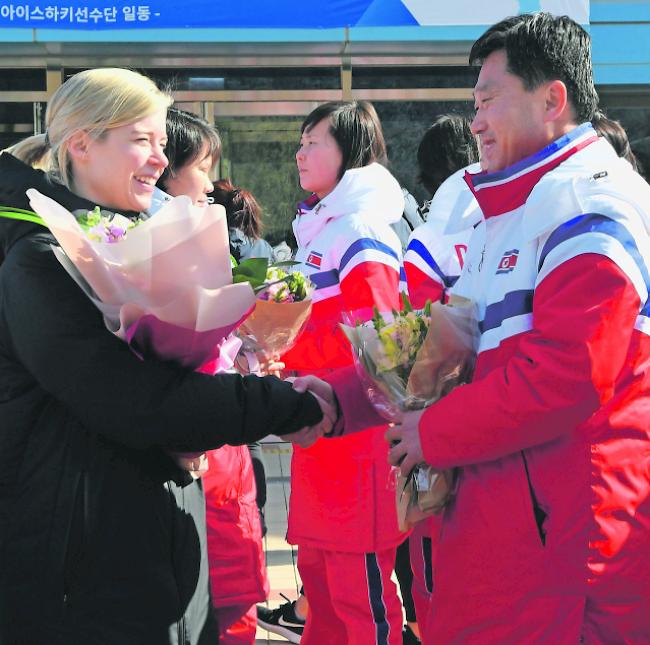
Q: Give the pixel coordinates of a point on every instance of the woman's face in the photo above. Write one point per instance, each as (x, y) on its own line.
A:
(120, 169)
(193, 179)
(319, 159)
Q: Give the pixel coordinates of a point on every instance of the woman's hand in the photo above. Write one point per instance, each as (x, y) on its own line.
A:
(195, 463)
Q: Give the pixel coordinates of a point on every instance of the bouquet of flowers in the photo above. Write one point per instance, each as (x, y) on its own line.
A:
(407, 360)
(164, 285)
(282, 307)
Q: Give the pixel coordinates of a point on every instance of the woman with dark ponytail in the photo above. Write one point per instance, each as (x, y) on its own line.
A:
(244, 221)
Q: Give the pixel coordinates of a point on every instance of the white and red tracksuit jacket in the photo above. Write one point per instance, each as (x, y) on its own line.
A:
(434, 258)
(340, 499)
(548, 538)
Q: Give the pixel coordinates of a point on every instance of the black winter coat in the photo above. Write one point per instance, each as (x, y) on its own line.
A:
(94, 547)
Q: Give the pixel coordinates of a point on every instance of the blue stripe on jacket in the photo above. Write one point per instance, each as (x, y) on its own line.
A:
(596, 223)
(515, 303)
(417, 247)
(324, 279)
(563, 142)
(364, 244)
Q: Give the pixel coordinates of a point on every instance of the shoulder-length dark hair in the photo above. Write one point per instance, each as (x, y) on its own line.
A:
(187, 137)
(356, 129)
(447, 146)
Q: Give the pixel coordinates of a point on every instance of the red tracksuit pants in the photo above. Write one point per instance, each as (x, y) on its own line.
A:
(422, 543)
(237, 624)
(352, 599)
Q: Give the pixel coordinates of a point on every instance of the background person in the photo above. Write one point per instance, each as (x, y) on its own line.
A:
(615, 134)
(432, 264)
(244, 216)
(412, 217)
(342, 512)
(238, 577)
(244, 221)
(193, 149)
(434, 258)
(89, 531)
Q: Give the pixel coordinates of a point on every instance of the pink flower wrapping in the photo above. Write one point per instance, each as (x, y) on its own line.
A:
(166, 288)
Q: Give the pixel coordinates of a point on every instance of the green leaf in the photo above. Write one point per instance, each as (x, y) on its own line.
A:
(284, 263)
(405, 301)
(377, 320)
(252, 270)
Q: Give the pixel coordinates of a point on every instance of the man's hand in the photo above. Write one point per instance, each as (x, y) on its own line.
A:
(407, 451)
(306, 436)
(323, 391)
(315, 386)
(326, 398)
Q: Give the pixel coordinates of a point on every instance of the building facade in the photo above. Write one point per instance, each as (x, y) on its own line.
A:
(257, 70)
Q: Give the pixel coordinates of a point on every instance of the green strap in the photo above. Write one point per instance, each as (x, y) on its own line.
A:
(19, 214)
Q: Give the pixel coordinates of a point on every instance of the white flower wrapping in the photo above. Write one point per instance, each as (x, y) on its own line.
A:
(406, 361)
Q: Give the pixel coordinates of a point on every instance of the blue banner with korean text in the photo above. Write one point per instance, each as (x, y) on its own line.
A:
(268, 14)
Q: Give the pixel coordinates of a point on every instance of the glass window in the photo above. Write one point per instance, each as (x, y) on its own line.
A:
(242, 78)
(414, 77)
(259, 155)
(22, 80)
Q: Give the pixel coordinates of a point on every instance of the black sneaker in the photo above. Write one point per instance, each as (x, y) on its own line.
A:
(408, 637)
(282, 620)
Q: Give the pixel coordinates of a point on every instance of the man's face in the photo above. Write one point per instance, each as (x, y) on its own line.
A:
(509, 120)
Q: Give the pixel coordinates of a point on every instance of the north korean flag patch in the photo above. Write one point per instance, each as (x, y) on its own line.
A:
(508, 261)
(314, 259)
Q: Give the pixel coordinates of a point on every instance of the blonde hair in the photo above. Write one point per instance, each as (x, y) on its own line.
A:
(95, 100)
(33, 151)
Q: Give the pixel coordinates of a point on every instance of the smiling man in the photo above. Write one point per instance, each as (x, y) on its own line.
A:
(547, 540)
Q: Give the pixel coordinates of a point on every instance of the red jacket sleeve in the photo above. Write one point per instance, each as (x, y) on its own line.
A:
(556, 377)
(422, 287)
(358, 413)
(368, 285)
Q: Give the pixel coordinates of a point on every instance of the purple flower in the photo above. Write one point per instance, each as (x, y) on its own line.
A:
(114, 233)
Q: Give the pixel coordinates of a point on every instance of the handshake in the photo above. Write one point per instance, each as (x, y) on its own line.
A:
(196, 463)
(332, 421)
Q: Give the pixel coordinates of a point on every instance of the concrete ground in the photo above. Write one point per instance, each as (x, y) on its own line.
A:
(280, 556)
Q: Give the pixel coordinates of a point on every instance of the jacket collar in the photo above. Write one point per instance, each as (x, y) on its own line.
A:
(368, 192)
(506, 190)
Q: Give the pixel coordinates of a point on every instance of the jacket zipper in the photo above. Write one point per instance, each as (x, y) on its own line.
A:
(539, 513)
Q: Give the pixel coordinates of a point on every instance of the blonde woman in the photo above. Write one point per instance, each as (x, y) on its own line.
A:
(94, 547)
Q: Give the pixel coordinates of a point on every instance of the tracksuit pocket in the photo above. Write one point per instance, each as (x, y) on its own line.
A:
(539, 514)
